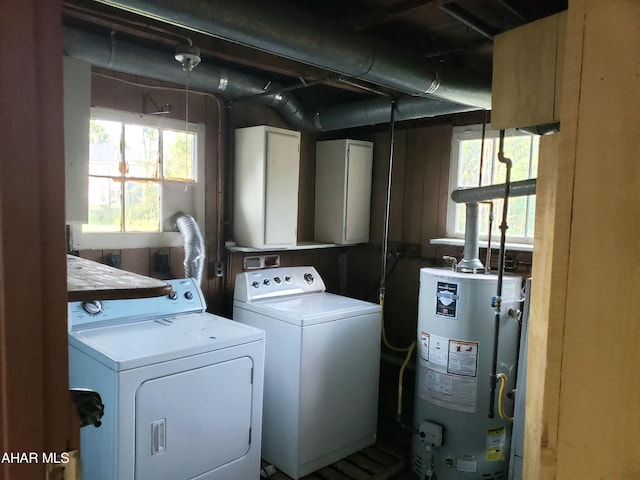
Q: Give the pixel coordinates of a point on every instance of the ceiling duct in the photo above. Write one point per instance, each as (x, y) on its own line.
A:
(126, 57)
(297, 35)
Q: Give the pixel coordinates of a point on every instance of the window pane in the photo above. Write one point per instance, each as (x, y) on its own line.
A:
(142, 206)
(516, 216)
(105, 208)
(518, 149)
(142, 147)
(104, 152)
(469, 163)
(178, 155)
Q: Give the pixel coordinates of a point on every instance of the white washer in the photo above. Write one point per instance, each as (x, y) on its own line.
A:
(321, 368)
(182, 388)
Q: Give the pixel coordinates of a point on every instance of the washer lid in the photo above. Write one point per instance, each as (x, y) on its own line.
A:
(132, 345)
(311, 309)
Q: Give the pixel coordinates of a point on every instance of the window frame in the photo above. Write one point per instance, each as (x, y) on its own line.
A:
(191, 202)
(474, 132)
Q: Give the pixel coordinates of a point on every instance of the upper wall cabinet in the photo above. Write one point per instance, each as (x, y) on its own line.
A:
(527, 74)
(77, 106)
(343, 191)
(265, 207)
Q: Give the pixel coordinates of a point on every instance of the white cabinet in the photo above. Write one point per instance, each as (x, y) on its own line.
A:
(343, 191)
(265, 208)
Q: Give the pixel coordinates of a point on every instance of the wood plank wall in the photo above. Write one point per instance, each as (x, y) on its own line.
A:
(587, 378)
(36, 411)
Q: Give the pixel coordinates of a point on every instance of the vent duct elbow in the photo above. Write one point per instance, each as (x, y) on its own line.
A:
(194, 247)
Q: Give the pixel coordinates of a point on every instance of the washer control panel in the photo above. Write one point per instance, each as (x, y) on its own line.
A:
(277, 282)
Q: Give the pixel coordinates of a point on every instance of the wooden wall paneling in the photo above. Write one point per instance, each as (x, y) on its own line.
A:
(93, 255)
(560, 52)
(443, 184)
(306, 187)
(33, 304)
(600, 356)
(196, 103)
(413, 203)
(153, 255)
(436, 157)
(136, 260)
(399, 177)
(379, 186)
(545, 321)
(524, 75)
(127, 97)
(176, 262)
(102, 89)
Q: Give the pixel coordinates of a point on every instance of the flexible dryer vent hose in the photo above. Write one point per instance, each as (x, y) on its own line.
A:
(194, 247)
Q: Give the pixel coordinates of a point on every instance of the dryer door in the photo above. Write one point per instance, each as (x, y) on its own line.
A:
(193, 422)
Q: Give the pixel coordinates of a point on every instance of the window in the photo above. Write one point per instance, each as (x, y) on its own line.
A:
(522, 149)
(142, 170)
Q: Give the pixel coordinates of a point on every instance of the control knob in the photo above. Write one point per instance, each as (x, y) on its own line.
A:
(92, 307)
(255, 284)
(188, 295)
(267, 282)
(277, 280)
(308, 277)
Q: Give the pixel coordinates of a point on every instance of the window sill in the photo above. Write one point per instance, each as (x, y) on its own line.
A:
(459, 242)
(90, 241)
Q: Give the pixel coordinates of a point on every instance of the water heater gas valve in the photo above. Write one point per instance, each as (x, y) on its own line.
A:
(430, 433)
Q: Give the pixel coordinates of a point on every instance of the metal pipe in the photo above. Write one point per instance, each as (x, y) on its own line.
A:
(292, 33)
(471, 261)
(498, 299)
(487, 263)
(491, 192)
(122, 56)
(385, 229)
(471, 21)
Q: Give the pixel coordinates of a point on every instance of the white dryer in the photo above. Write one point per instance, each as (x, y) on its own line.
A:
(182, 388)
(321, 368)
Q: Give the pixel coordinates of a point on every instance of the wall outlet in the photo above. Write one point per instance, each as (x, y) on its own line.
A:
(219, 269)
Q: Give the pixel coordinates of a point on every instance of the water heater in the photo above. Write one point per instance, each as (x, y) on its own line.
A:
(455, 438)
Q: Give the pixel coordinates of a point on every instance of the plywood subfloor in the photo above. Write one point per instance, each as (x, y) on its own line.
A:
(372, 463)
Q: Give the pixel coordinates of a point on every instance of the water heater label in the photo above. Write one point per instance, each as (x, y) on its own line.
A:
(496, 439)
(434, 349)
(463, 358)
(447, 299)
(455, 392)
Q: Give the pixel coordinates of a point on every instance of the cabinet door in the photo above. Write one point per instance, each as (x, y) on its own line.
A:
(360, 162)
(281, 195)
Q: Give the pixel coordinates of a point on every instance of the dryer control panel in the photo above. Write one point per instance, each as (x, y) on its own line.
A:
(185, 297)
(277, 282)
